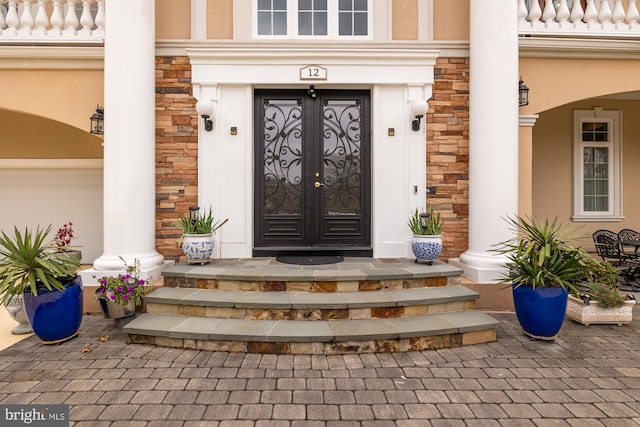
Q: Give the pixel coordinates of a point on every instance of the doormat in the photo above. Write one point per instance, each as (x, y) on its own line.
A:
(310, 260)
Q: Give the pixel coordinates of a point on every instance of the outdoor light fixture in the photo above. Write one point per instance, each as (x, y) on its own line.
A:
(193, 213)
(204, 107)
(97, 121)
(523, 93)
(424, 219)
(419, 108)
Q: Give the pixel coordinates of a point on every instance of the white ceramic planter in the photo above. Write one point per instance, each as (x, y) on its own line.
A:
(198, 248)
(426, 249)
(594, 314)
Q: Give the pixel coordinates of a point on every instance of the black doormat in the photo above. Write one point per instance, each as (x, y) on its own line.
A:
(310, 260)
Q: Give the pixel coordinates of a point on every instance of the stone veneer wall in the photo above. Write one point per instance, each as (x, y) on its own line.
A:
(448, 152)
(177, 151)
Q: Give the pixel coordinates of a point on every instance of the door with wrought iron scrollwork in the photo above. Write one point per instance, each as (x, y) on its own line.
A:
(312, 172)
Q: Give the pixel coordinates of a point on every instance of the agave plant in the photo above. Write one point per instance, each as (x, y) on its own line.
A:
(29, 261)
(540, 254)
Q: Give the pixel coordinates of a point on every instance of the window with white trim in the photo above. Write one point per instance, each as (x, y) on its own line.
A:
(597, 148)
(328, 19)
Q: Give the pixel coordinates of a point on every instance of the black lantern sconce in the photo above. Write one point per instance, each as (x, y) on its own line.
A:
(97, 121)
(204, 107)
(523, 93)
(193, 213)
(419, 108)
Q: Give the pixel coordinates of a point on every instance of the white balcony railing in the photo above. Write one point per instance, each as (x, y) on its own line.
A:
(51, 21)
(590, 18)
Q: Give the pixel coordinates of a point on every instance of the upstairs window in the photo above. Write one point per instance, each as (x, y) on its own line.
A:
(328, 19)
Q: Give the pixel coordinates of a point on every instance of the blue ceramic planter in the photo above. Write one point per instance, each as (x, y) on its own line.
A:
(541, 310)
(55, 316)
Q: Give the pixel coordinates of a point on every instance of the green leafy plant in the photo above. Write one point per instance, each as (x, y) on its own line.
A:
(30, 261)
(425, 224)
(125, 288)
(540, 254)
(599, 282)
(202, 224)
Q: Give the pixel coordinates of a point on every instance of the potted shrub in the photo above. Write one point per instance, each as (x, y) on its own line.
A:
(63, 238)
(197, 239)
(426, 243)
(120, 296)
(599, 301)
(31, 266)
(542, 268)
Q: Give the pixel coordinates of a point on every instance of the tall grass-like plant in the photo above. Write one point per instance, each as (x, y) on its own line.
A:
(540, 254)
(203, 224)
(29, 261)
(432, 223)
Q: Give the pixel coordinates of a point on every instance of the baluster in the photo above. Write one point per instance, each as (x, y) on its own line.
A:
(535, 12)
(86, 20)
(26, 19)
(3, 24)
(549, 13)
(604, 15)
(57, 22)
(617, 16)
(12, 20)
(99, 19)
(562, 15)
(577, 14)
(632, 14)
(42, 20)
(591, 14)
(71, 23)
(522, 12)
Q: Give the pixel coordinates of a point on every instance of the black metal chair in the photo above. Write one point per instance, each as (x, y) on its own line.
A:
(629, 235)
(609, 249)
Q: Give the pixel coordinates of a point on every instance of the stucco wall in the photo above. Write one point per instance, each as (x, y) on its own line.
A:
(451, 19)
(553, 164)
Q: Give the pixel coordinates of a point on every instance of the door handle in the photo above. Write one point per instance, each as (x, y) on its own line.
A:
(318, 184)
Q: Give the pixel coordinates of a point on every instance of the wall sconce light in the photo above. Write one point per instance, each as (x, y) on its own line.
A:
(419, 108)
(97, 121)
(204, 107)
(523, 93)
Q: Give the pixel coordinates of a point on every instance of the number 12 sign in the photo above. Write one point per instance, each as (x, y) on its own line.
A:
(313, 72)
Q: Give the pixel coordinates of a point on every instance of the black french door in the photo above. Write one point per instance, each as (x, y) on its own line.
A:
(312, 172)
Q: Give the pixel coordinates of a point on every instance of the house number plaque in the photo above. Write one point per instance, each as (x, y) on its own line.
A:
(313, 72)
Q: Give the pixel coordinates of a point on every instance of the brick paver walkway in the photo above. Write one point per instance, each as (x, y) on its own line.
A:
(590, 376)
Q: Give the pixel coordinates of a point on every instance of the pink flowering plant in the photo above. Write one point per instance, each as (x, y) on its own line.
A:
(64, 236)
(125, 288)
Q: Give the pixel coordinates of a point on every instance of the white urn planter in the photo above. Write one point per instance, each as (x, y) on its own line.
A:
(426, 248)
(15, 308)
(592, 313)
(198, 248)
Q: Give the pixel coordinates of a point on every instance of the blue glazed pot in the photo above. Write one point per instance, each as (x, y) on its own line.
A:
(426, 248)
(55, 316)
(541, 310)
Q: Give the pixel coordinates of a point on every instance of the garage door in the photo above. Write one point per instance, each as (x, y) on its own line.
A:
(38, 194)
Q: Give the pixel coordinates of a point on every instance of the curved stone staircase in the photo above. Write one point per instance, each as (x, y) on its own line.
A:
(361, 305)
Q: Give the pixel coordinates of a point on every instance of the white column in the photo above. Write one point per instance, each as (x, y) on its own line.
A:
(493, 135)
(129, 137)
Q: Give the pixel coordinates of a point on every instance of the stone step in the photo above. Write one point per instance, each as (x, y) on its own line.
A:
(309, 306)
(318, 337)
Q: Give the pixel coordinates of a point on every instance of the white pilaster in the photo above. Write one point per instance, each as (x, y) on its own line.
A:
(493, 135)
(129, 139)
